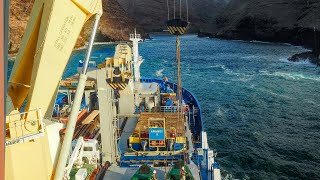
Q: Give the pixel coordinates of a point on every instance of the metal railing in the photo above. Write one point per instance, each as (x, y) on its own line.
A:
(64, 111)
(19, 130)
(137, 36)
(57, 110)
(167, 109)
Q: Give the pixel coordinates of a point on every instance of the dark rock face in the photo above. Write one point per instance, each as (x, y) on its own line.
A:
(115, 24)
(263, 29)
(153, 14)
(305, 56)
(291, 21)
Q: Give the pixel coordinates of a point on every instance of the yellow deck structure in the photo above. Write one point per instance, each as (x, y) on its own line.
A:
(52, 31)
(172, 120)
(72, 82)
(119, 68)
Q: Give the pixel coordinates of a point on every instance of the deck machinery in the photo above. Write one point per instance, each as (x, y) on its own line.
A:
(159, 132)
(142, 121)
(158, 137)
(152, 126)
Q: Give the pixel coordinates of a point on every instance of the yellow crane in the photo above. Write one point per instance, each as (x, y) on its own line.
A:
(51, 33)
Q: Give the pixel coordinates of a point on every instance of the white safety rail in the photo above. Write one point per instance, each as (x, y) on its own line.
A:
(138, 36)
(137, 60)
(16, 131)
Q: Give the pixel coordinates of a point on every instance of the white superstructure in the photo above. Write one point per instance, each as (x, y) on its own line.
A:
(137, 60)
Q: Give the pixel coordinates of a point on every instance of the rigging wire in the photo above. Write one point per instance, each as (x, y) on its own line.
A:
(180, 9)
(174, 9)
(187, 7)
(168, 10)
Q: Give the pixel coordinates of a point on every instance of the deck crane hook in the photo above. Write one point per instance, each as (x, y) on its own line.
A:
(177, 27)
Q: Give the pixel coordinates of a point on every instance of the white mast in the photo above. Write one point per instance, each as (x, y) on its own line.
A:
(137, 60)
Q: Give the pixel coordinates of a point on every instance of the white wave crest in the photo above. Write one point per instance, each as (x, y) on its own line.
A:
(241, 76)
(290, 76)
(159, 72)
(219, 66)
(268, 91)
(305, 62)
(219, 112)
(217, 81)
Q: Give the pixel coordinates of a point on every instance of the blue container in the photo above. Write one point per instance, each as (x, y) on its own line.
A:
(156, 134)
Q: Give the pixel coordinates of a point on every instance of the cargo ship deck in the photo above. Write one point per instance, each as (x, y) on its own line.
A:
(141, 121)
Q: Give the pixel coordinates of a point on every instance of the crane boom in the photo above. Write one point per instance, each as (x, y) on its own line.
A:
(51, 33)
(50, 36)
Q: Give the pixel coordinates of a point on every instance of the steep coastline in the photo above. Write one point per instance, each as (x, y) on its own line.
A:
(115, 24)
(285, 21)
(153, 14)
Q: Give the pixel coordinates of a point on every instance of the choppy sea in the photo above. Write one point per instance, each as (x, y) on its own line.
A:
(261, 112)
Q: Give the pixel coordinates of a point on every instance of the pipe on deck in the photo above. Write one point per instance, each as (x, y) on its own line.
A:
(65, 149)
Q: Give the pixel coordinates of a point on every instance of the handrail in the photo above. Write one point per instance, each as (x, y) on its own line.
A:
(168, 109)
(133, 36)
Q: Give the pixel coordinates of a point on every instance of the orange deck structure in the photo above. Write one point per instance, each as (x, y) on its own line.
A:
(72, 82)
(87, 125)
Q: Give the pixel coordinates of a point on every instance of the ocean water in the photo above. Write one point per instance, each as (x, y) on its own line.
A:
(261, 112)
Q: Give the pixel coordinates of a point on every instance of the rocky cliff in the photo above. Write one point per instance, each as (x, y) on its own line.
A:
(153, 14)
(115, 24)
(291, 21)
